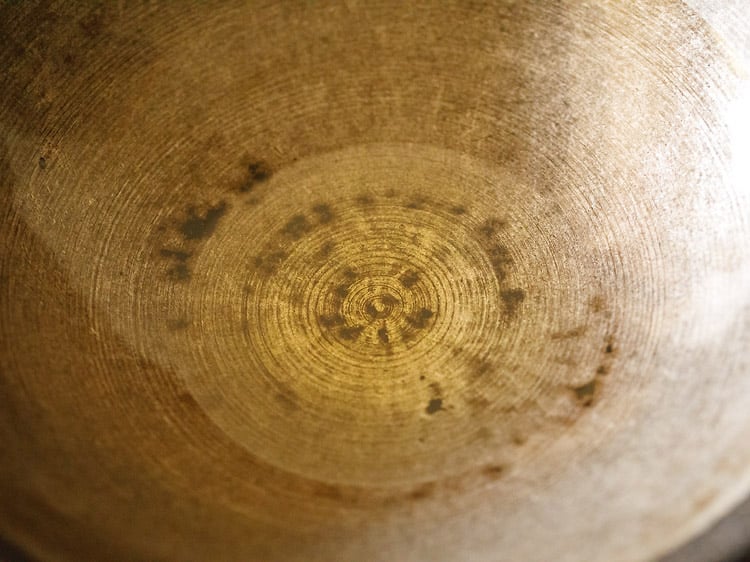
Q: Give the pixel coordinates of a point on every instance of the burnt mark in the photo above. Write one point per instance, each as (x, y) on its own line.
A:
(458, 210)
(569, 334)
(324, 213)
(512, 299)
(42, 162)
(421, 318)
(602, 370)
(481, 367)
(494, 471)
(383, 336)
(199, 226)
(585, 393)
(257, 172)
(297, 227)
(350, 333)
(500, 259)
(409, 278)
(492, 226)
(434, 406)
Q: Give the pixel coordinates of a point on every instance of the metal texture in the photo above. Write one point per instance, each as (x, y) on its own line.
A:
(373, 280)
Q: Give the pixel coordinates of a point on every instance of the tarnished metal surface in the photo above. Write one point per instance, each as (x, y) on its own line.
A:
(373, 281)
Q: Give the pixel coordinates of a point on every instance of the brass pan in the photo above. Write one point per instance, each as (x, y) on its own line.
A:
(373, 280)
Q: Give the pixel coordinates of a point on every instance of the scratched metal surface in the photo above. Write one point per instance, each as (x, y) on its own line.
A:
(452, 280)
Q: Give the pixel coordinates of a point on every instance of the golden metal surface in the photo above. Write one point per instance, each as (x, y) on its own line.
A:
(373, 281)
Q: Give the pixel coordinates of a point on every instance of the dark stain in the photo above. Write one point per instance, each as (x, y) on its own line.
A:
(478, 403)
(500, 260)
(178, 324)
(42, 162)
(269, 263)
(349, 273)
(350, 333)
(197, 227)
(326, 249)
(585, 392)
(257, 172)
(416, 204)
(422, 377)
(422, 491)
(602, 370)
(492, 226)
(573, 333)
(518, 439)
(458, 210)
(341, 291)
(331, 320)
(409, 278)
(494, 471)
(364, 200)
(512, 298)
(323, 212)
(435, 405)
(179, 272)
(178, 255)
(287, 400)
(597, 303)
(187, 400)
(327, 491)
(383, 336)
(482, 367)
(435, 389)
(610, 347)
(93, 23)
(421, 318)
(297, 227)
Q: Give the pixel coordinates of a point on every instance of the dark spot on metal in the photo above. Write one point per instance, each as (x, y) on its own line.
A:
(349, 273)
(572, 333)
(585, 392)
(383, 335)
(609, 348)
(331, 320)
(179, 272)
(287, 400)
(364, 200)
(42, 162)
(297, 227)
(500, 260)
(490, 227)
(436, 390)
(324, 213)
(178, 255)
(458, 210)
(267, 264)
(178, 324)
(494, 471)
(435, 405)
(409, 278)
(341, 291)
(416, 204)
(197, 226)
(597, 303)
(422, 491)
(257, 173)
(327, 248)
(512, 299)
(602, 370)
(350, 333)
(421, 377)
(187, 400)
(421, 318)
(518, 439)
(328, 491)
